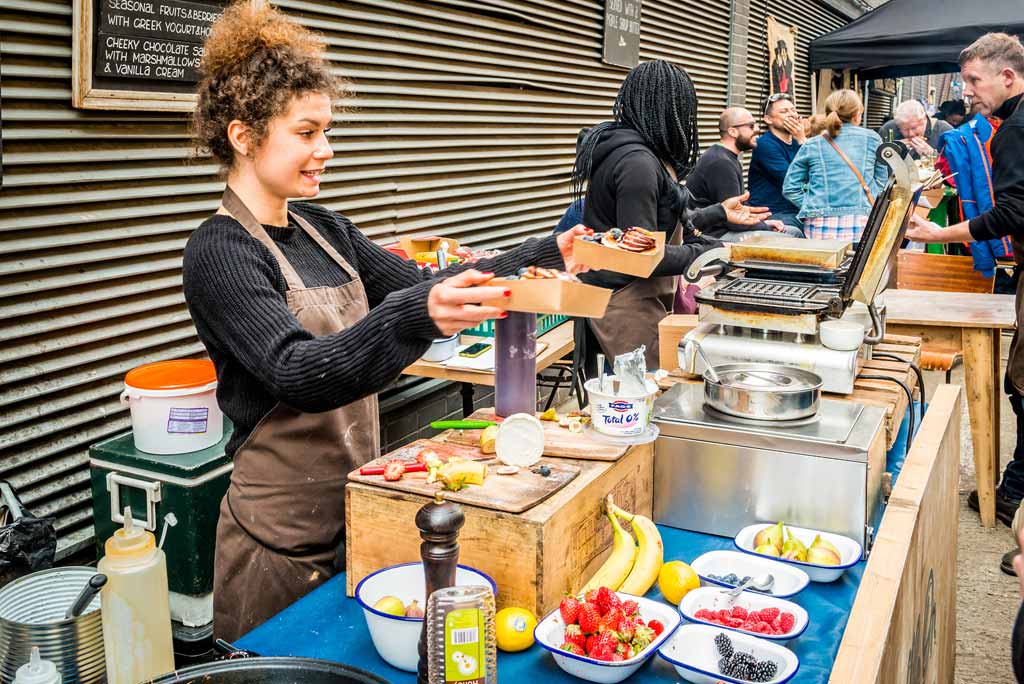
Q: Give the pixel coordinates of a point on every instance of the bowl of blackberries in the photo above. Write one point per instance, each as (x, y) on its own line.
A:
(703, 654)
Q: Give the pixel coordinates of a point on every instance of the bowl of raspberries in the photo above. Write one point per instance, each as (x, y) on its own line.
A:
(605, 636)
(704, 654)
(768, 617)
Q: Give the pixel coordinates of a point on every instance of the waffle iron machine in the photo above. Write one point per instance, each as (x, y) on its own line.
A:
(773, 292)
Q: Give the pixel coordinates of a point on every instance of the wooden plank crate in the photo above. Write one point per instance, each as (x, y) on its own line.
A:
(881, 393)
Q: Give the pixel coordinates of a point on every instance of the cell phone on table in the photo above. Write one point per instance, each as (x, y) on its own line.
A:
(474, 350)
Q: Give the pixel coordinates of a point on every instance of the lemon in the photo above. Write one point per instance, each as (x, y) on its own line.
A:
(514, 628)
(392, 605)
(676, 580)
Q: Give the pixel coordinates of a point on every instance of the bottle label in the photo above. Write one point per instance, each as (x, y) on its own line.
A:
(464, 647)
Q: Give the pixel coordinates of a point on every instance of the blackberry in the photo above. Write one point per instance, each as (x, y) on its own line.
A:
(737, 669)
(744, 658)
(763, 671)
(724, 645)
(723, 664)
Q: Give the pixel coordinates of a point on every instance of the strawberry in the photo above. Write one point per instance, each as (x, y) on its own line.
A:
(616, 657)
(787, 622)
(656, 626)
(739, 612)
(590, 596)
(644, 637)
(570, 609)
(639, 621)
(628, 651)
(574, 635)
(607, 638)
(627, 629)
(769, 614)
(613, 618)
(607, 599)
(572, 648)
(630, 608)
(591, 644)
(602, 653)
(393, 470)
(589, 617)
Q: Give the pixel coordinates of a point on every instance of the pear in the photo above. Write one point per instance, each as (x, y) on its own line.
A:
(767, 550)
(795, 554)
(770, 535)
(822, 544)
(822, 556)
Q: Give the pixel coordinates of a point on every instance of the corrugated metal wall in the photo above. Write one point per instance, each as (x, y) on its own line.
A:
(812, 19)
(879, 109)
(465, 121)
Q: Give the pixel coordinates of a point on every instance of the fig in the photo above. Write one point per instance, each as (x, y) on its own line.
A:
(414, 610)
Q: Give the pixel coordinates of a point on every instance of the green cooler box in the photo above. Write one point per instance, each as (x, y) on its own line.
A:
(190, 486)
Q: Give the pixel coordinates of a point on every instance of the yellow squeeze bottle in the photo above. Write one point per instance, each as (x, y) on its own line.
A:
(136, 606)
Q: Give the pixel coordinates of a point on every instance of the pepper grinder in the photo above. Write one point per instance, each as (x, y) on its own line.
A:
(439, 523)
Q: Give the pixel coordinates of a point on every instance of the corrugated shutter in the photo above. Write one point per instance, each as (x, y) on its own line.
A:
(879, 109)
(812, 19)
(464, 122)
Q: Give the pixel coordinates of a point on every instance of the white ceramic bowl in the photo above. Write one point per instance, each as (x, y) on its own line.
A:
(549, 633)
(397, 638)
(841, 335)
(693, 652)
(789, 580)
(850, 551)
(714, 598)
(442, 349)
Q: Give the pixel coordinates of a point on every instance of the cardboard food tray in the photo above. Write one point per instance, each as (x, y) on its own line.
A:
(414, 244)
(601, 257)
(552, 296)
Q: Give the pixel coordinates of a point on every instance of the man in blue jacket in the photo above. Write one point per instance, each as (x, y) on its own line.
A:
(772, 156)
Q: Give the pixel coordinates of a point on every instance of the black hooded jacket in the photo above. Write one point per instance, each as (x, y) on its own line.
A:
(629, 187)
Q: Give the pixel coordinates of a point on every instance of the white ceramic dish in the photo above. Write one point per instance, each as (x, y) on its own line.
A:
(442, 349)
(549, 633)
(714, 598)
(841, 335)
(850, 551)
(789, 580)
(397, 638)
(693, 652)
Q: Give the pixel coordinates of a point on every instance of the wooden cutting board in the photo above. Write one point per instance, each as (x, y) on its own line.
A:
(558, 441)
(508, 493)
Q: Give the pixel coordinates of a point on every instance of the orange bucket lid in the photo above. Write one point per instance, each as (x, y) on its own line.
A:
(170, 375)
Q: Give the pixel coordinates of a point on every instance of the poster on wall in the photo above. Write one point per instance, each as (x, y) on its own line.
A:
(622, 33)
(139, 54)
(781, 51)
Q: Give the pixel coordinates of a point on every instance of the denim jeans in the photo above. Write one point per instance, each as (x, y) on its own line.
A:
(739, 235)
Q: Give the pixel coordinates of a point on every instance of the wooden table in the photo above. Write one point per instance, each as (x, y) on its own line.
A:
(973, 323)
(559, 342)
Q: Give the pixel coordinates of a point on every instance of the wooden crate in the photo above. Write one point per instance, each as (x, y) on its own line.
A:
(902, 627)
(535, 556)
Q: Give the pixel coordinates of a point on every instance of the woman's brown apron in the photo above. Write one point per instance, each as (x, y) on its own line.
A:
(281, 531)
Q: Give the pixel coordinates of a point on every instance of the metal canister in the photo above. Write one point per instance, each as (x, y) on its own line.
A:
(32, 612)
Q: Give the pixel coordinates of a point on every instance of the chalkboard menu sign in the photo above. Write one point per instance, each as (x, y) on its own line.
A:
(140, 54)
(622, 32)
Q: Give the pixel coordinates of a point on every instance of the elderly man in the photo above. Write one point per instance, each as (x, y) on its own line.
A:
(993, 74)
(913, 126)
(718, 176)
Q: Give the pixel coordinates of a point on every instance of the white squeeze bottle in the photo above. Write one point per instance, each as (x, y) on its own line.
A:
(136, 607)
(37, 671)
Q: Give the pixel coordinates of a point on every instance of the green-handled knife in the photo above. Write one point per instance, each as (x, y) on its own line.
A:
(461, 424)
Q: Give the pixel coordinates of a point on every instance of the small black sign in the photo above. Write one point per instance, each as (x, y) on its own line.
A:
(142, 43)
(622, 32)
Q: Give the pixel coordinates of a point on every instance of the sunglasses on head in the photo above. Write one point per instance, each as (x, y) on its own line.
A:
(773, 99)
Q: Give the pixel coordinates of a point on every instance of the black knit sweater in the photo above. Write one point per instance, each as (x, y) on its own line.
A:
(236, 295)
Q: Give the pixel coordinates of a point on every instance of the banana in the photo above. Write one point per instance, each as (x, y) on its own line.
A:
(614, 570)
(649, 556)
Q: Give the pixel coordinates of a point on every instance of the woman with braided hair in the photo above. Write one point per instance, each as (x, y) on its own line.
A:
(304, 317)
(631, 168)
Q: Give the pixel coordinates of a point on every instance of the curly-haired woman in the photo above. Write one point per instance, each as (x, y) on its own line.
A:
(303, 316)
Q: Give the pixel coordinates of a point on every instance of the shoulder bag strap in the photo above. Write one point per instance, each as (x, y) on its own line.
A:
(871, 200)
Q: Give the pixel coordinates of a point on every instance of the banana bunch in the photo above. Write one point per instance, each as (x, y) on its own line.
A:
(634, 565)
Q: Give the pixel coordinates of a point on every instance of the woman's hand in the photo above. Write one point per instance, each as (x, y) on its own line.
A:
(454, 303)
(737, 212)
(565, 241)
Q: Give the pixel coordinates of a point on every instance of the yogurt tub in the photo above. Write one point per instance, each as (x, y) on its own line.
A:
(620, 415)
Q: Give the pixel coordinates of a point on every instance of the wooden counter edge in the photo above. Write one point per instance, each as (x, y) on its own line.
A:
(902, 627)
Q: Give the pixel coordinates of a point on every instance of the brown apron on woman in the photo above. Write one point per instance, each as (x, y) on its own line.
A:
(281, 531)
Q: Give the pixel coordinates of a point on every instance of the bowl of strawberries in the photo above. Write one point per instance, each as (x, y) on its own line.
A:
(605, 636)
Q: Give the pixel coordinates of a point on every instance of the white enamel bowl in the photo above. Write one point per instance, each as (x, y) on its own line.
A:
(789, 580)
(850, 551)
(397, 638)
(714, 599)
(693, 652)
(550, 631)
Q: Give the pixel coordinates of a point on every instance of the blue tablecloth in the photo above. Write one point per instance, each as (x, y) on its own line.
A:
(327, 624)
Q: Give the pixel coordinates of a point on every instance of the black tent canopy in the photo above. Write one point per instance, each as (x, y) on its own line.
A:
(914, 37)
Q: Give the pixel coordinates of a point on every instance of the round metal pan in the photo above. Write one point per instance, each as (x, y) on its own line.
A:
(763, 391)
(282, 670)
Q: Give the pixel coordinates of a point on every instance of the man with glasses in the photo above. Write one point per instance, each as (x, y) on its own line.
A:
(772, 156)
(718, 176)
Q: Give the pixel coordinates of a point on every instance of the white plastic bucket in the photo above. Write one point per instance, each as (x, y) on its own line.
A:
(176, 420)
(618, 415)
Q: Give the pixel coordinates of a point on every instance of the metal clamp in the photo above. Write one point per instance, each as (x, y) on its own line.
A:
(114, 483)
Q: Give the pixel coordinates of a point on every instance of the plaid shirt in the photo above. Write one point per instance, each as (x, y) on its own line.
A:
(835, 227)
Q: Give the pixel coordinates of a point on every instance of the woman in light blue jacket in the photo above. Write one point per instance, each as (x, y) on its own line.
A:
(835, 177)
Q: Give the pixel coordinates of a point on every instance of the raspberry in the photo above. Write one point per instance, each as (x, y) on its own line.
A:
(764, 628)
(749, 626)
(704, 614)
(724, 614)
(739, 612)
(769, 614)
(735, 622)
(787, 622)
(754, 615)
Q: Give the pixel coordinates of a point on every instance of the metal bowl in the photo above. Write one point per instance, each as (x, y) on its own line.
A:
(763, 391)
